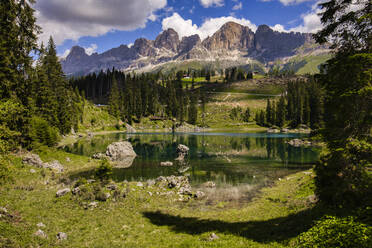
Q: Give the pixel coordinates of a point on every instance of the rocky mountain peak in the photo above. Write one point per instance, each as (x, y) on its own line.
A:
(77, 52)
(187, 43)
(231, 36)
(144, 47)
(168, 39)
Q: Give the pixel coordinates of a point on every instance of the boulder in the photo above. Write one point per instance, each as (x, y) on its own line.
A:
(167, 163)
(61, 236)
(119, 150)
(99, 156)
(34, 160)
(93, 205)
(62, 192)
(273, 130)
(182, 151)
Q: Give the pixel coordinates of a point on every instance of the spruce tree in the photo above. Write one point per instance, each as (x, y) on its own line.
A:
(114, 99)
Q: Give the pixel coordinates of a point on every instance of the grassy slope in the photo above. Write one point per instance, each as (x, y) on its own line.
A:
(223, 97)
(96, 118)
(275, 217)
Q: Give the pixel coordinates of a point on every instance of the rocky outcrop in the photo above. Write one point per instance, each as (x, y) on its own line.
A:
(188, 43)
(169, 39)
(231, 36)
(34, 160)
(270, 44)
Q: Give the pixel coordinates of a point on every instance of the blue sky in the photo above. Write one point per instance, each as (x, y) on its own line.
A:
(99, 25)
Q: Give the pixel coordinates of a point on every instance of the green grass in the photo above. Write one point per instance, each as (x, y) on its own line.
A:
(312, 64)
(274, 218)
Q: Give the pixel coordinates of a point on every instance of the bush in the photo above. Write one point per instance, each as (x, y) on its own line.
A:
(336, 232)
(42, 133)
(5, 172)
(104, 171)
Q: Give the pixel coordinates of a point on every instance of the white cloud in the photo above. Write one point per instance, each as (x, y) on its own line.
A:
(209, 27)
(311, 22)
(71, 19)
(130, 45)
(288, 2)
(92, 49)
(212, 3)
(279, 28)
(238, 6)
(65, 54)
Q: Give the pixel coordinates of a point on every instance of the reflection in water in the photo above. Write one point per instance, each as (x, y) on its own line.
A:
(225, 158)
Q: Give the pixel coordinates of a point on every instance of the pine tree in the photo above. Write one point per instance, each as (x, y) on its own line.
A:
(268, 113)
(114, 99)
(280, 119)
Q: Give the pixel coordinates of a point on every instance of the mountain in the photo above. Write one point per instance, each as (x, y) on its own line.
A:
(232, 44)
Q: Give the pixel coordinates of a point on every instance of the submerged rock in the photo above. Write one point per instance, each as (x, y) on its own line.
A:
(209, 184)
(199, 194)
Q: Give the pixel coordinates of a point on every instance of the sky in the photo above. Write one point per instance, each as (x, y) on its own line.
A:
(99, 25)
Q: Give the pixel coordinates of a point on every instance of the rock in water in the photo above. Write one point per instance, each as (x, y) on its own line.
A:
(209, 184)
(118, 150)
(130, 129)
(182, 151)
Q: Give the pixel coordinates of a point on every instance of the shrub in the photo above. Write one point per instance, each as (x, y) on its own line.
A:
(42, 133)
(5, 172)
(336, 232)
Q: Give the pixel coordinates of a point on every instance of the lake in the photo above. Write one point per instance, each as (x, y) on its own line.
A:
(228, 159)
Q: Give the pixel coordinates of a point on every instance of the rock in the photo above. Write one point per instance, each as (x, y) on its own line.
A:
(99, 156)
(93, 205)
(209, 184)
(62, 192)
(150, 183)
(284, 130)
(150, 194)
(34, 160)
(312, 199)
(199, 194)
(61, 236)
(40, 225)
(112, 186)
(130, 129)
(55, 165)
(139, 184)
(40, 234)
(68, 159)
(212, 237)
(298, 143)
(32, 171)
(167, 163)
(273, 130)
(3, 210)
(186, 190)
(91, 181)
(76, 191)
(119, 150)
(182, 149)
(90, 135)
(183, 169)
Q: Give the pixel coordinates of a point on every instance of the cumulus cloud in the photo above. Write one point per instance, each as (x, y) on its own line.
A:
(212, 3)
(65, 54)
(92, 49)
(288, 2)
(71, 19)
(238, 6)
(209, 27)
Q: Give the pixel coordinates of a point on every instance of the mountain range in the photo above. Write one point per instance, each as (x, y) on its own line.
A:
(232, 44)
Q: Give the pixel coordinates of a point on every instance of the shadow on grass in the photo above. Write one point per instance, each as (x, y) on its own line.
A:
(278, 229)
